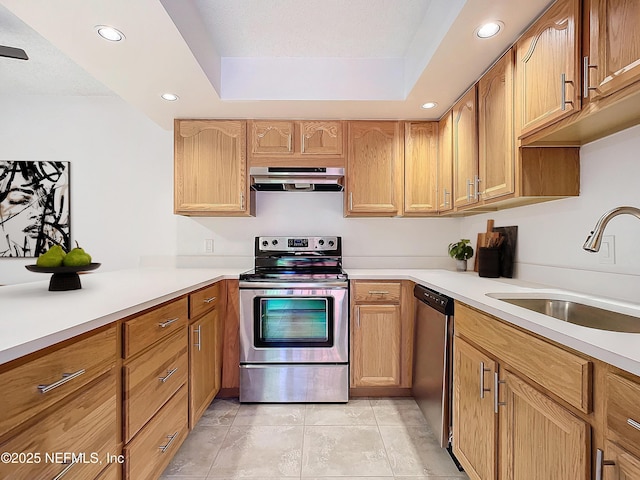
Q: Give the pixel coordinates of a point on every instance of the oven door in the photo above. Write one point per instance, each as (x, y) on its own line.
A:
(297, 324)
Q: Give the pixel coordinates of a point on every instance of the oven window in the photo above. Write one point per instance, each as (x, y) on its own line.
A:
(293, 321)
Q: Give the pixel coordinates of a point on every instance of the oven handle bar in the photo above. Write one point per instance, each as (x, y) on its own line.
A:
(291, 285)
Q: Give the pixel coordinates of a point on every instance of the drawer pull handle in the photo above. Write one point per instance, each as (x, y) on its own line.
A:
(633, 423)
(482, 389)
(209, 300)
(166, 323)
(164, 448)
(66, 377)
(169, 373)
(378, 292)
(601, 463)
(64, 472)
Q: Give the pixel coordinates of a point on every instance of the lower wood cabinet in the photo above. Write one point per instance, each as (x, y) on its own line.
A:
(73, 439)
(505, 425)
(475, 425)
(382, 322)
(154, 388)
(619, 464)
(205, 353)
(149, 453)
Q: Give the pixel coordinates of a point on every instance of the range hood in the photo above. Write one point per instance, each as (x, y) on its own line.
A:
(297, 179)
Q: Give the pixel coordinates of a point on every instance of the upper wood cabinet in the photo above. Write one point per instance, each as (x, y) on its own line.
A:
(465, 150)
(321, 137)
(374, 169)
(271, 137)
(445, 164)
(613, 60)
(420, 168)
(496, 153)
(296, 143)
(210, 175)
(548, 68)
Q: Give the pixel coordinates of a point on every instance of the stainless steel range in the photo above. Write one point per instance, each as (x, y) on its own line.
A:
(294, 335)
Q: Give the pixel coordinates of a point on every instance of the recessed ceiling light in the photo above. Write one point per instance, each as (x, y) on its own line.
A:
(170, 97)
(429, 105)
(109, 33)
(489, 29)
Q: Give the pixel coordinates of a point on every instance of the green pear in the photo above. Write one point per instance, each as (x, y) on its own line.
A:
(52, 257)
(76, 258)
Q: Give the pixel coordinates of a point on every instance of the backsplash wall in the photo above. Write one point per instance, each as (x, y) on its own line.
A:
(551, 234)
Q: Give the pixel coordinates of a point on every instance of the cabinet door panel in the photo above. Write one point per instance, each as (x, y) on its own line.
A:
(321, 138)
(374, 178)
(210, 167)
(495, 129)
(542, 439)
(546, 52)
(615, 44)
(270, 138)
(474, 418)
(420, 167)
(445, 163)
(204, 366)
(465, 149)
(376, 335)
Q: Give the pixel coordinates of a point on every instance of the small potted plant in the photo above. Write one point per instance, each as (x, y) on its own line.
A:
(461, 251)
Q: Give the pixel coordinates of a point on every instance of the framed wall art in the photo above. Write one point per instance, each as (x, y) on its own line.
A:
(34, 207)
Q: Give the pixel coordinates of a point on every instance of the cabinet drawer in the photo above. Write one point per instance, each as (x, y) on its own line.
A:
(85, 425)
(146, 329)
(152, 378)
(623, 410)
(204, 300)
(150, 452)
(62, 371)
(384, 292)
(561, 372)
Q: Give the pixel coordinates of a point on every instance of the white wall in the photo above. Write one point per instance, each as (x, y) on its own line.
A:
(121, 174)
(551, 234)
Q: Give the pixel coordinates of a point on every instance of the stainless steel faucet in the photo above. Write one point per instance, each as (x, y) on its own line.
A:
(594, 240)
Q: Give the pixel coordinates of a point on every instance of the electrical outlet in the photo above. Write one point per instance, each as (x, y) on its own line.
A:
(607, 254)
(208, 245)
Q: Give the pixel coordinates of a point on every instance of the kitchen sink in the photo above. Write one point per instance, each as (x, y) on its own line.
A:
(572, 309)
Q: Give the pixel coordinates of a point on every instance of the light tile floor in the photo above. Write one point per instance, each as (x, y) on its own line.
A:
(365, 439)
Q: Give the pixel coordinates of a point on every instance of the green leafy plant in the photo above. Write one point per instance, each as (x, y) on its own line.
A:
(461, 250)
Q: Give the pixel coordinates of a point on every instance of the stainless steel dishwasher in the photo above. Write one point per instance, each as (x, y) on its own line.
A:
(432, 373)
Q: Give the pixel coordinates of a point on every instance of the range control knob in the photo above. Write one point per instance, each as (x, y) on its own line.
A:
(265, 243)
(331, 243)
(274, 242)
(321, 242)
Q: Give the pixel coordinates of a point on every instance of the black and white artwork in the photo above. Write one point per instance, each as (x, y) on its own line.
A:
(34, 207)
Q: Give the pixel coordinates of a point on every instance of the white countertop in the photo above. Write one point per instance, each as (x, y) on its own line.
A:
(32, 318)
(616, 348)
